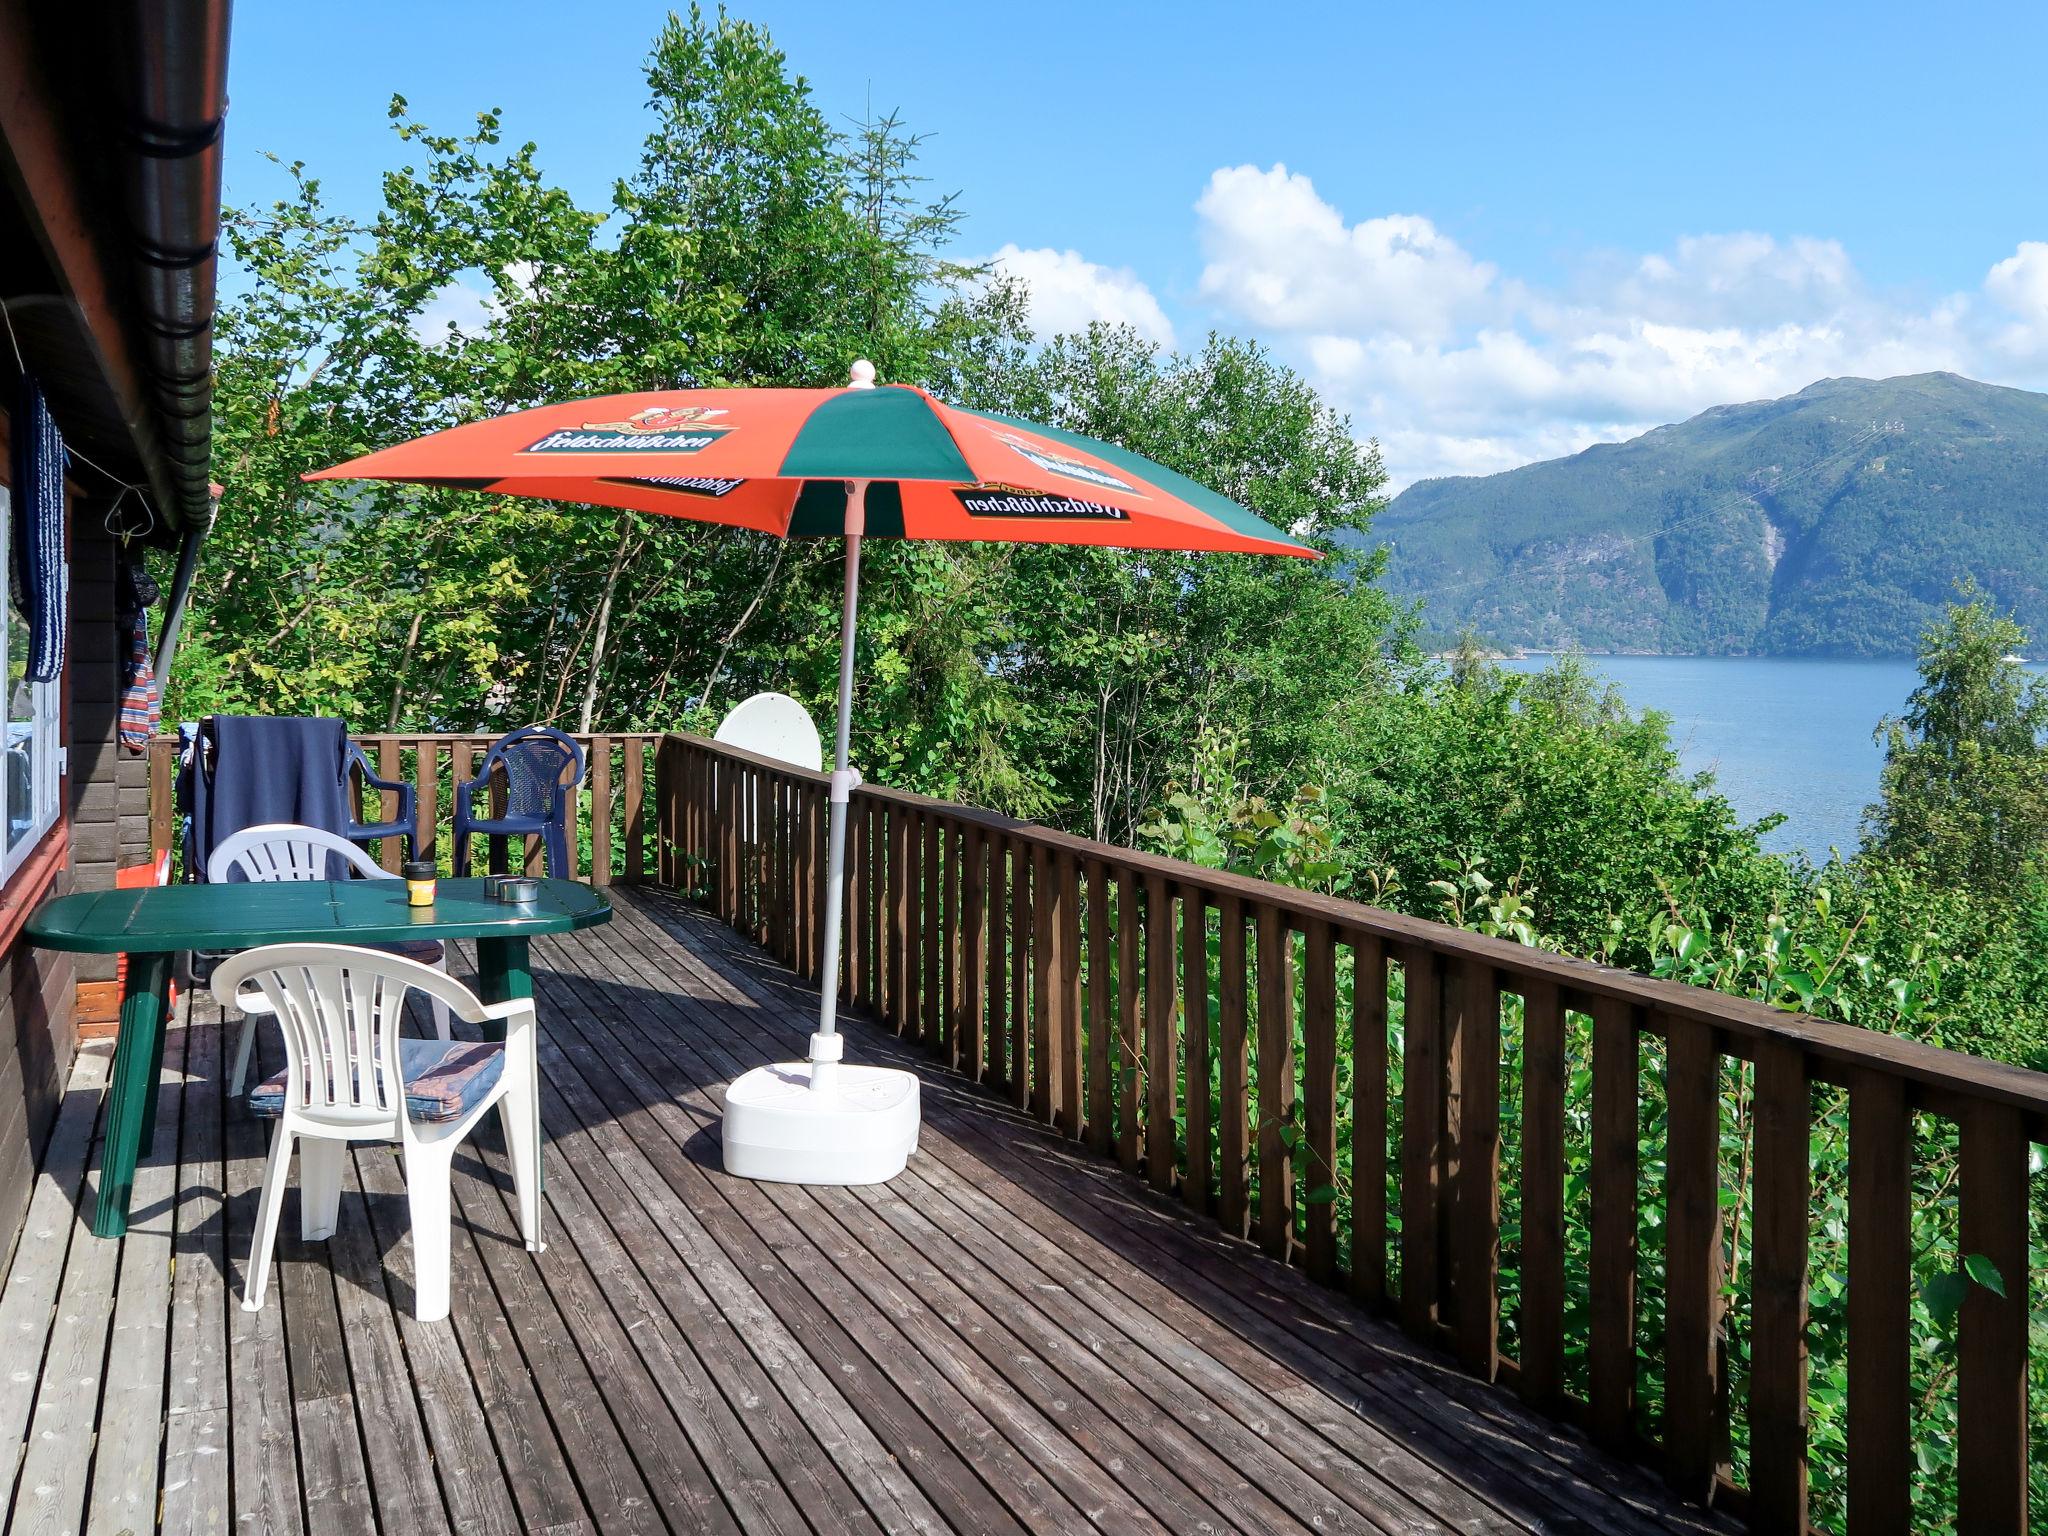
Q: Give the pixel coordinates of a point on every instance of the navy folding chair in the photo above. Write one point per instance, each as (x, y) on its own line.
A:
(543, 769)
(406, 824)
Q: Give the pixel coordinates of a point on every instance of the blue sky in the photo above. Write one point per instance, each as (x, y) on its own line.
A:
(1490, 234)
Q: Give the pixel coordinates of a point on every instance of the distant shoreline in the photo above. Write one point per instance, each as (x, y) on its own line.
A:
(1530, 653)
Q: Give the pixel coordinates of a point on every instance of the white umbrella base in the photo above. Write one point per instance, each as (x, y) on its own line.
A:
(859, 1131)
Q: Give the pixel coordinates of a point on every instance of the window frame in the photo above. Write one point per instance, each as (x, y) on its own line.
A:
(46, 719)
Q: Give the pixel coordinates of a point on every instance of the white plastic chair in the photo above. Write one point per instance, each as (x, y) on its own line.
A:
(346, 1080)
(285, 850)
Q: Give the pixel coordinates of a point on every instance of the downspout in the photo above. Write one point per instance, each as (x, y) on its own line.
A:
(181, 590)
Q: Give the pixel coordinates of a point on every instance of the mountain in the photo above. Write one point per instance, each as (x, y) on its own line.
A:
(1832, 522)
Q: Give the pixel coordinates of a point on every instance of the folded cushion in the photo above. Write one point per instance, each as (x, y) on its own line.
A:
(444, 1079)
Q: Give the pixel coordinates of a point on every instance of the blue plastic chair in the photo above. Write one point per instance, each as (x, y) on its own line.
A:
(543, 769)
(407, 822)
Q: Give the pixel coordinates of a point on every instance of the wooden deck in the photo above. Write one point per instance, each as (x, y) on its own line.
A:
(1012, 1335)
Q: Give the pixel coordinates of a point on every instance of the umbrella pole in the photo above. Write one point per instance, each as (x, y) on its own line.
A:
(825, 1044)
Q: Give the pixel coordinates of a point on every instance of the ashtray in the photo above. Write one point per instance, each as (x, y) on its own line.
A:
(513, 890)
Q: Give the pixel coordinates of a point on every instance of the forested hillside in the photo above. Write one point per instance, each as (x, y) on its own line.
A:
(1834, 521)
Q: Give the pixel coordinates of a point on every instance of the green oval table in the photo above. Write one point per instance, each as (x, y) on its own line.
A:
(150, 926)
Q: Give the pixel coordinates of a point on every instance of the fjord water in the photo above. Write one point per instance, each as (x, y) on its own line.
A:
(1790, 735)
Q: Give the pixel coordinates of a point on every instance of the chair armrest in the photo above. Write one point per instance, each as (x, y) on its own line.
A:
(407, 795)
(508, 1010)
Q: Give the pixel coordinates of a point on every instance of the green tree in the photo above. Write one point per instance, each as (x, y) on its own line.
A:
(753, 244)
(1121, 662)
(1964, 793)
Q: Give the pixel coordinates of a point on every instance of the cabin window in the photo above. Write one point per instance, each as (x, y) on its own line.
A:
(33, 761)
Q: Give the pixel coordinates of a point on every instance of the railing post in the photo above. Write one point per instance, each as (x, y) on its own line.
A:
(1612, 1346)
(1045, 1063)
(931, 934)
(1991, 1334)
(1422, 1106)
(1276, 1081)
(1232, 1148)
(996, 1030)
(1162, 1033)
(911, 1021)
(462, 769)
(1319, 1107)
(853, 945)
(973, 1022)
(1194, 963)
(1129, 1031)
(1880, 1306)
(1022, 929)
(1541, 1378)
(163, 778)
(390, 850)
(1692, 1258)
(1476, 1191)
(951, 1034)
(635, 820)
(1369, 1119)
(1777, 1389)
(730, 841)
(427, 788)
(601, 810)
(671, 813)
(1101, 1012)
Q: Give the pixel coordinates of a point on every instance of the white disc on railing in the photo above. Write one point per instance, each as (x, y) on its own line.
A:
(774, 725)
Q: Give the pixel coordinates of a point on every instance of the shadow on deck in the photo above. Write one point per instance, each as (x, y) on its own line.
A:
(1012, 1335)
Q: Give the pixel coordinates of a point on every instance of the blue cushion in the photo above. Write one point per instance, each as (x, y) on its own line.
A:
(444, 1079)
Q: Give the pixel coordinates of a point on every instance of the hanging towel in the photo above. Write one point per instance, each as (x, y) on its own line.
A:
(141, 697)
(141, 702)
(267, 769)
(39, 530)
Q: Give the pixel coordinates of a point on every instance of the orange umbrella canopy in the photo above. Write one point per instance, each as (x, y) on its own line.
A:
(779, 461)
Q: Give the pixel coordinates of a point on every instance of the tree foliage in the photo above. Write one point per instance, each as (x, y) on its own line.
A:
(1965, 785)
(754, 243)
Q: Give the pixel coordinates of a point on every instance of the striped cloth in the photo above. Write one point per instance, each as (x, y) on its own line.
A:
(141, 697)
(39, 530)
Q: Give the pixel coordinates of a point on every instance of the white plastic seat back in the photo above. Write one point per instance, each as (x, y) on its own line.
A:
(339, 1009)
(285, 850)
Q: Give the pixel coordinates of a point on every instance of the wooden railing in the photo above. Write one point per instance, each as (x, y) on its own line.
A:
(1059, 971)
(609, 830)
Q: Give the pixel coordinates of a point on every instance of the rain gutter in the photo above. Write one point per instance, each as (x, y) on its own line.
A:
(178, 60)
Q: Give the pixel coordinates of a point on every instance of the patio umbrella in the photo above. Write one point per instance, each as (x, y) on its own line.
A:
(860, 462)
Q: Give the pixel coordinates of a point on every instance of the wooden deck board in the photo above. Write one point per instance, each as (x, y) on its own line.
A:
(195, 1468)
(1014, 1336)
(129, 1433)
(782, 1214)
(699, 1054)
(57, 1214)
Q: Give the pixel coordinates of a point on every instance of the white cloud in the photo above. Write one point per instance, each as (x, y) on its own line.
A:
(1285, 259)
(2019, 286)
(1460, 369)
(1067, 293)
